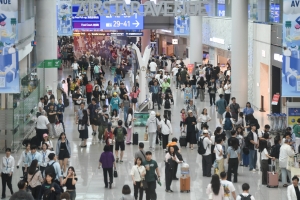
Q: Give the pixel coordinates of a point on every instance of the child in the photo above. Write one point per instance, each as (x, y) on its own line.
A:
(183, 117)
(188, 93)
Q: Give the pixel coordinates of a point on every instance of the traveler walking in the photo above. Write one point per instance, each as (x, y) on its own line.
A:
(120, 133)
(138, 173)
(151, 127)
(8, 165)
(215, 190)
(70, 181)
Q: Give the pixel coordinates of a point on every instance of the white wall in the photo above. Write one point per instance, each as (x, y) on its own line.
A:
(261, 54)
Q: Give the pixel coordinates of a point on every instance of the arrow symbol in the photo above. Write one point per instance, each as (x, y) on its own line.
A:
(137, 23)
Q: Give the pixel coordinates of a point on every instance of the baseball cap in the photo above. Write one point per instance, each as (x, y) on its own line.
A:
(45, 135)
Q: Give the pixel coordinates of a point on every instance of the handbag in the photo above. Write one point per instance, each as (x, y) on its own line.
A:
(58, 128)
(115, 174)
(146, 136)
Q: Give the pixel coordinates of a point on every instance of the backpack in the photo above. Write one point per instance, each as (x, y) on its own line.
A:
(50, 169)
(275, 151)
(120, 135)
(167, 104)
(201, 149)
(245, 198)
(228, 124)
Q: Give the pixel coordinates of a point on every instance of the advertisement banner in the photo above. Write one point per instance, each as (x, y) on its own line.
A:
(293, 116)
(9, 60)
(291, 52)
(182, 25)
(275, 99)
(64, 17)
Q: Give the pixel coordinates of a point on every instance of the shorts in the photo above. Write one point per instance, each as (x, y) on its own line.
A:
(219, 116)
(134, 100)
(76, 107)
(120, 145)
(93, 121)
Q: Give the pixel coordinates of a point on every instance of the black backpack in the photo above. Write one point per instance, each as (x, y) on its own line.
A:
(50, 169)
(201, 149)
(167, 104)
(245, 198)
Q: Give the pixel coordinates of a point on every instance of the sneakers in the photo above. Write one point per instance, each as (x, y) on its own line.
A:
(52, 137)
(253, 170)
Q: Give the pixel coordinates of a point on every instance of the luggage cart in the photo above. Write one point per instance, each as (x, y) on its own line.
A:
(185, 180)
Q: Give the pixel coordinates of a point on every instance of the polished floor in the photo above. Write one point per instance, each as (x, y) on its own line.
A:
(90, 185)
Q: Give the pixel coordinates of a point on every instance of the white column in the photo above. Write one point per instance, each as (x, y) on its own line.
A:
(239, 49)
(46, 37)
(196, 49)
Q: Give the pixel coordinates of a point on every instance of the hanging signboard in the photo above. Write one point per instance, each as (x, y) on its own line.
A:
(291, 53)
(275, 99)
(64, 17)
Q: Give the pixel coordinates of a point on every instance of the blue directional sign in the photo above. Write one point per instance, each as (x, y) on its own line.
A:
(122, 22)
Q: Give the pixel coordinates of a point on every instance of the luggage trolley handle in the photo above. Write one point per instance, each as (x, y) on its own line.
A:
(273, 166)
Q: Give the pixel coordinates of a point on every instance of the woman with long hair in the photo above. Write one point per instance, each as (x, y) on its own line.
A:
(170, 162)
(109, 88)
(63, 151)
(129, 120)
(265, 156)
(107, 161)
(244, 158)
(114, 118)
(126, 106)
(248, 110)
(83, 129)
(45, 153)
(233, 155)
(166, 130)
(70, 181)
(96, 93)
(215, 190)
(138, 173)
(47, 141)
(134, 95)
(109, 137)
(34, 179)
(190, 122)
(204, 118)
(46, 101)
(240, 121)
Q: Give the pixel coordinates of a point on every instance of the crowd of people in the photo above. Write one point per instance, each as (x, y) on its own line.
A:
(107, 108)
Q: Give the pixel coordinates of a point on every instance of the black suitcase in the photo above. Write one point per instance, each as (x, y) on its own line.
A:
(135, 139)
(182, 141)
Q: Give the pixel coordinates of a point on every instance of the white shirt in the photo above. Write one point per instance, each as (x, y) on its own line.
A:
(75, 66)
(218, 149)
(49, 143)
(41, 105)
(206, 143)
(137, 172)
(204, 118)
(264, 154)
(45, 158)
(227, 89)
(8, 164)
(42, 122)
(23, 158)
(174, 71)
(255, 138)
(166, 127)
(129, 119)
(238, 197)
(228, 189)
(153, 66)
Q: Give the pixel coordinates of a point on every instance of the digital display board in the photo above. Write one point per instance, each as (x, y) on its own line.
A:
(91, 23)
(122, 22)
(275, 13)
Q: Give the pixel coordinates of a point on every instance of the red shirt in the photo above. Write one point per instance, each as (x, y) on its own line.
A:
(89, 88)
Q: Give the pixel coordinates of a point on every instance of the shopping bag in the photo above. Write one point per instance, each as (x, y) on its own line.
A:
(290, 163)
(295, 172)
(58, 128)
(146, 137)
(115, 174)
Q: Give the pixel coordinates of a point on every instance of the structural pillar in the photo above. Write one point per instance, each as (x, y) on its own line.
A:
(228, 12)
(46, 37)
(145, 39)
(196, 48)
(239, 54)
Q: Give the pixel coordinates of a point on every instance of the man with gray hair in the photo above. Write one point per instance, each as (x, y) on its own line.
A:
(42, 126)
(286, 151)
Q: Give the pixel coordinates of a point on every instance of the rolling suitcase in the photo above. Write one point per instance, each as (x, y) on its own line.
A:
(182, 141)
(272, 177)
(135, 139)
(185, 185)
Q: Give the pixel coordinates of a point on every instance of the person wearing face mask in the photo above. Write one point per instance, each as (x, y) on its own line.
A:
(8, 165)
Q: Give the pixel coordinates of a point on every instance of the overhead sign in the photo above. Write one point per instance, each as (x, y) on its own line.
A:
(174, 41)
(162, 8)
(90, 23)
(64, 17)
(122, 22)
(182, 25)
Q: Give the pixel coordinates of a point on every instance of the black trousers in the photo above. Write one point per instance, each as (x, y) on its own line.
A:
(39, 135)
(233, 164)
(92, 75)
(227, 98)
(168, 174)
(165, 140)
(6, 179)
(213, 155)
(89, 97)
(110, 173)
(155, 98)
(150, 191)
(168, 113)
(35, 191)
(206, 165)
(42, 169)
(69, 90)
(23, 170)
(175, 170)
(138, 190)
(264, 174)
(212, 98)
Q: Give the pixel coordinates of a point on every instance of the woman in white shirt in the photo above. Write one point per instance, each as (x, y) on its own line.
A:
(138, 173)
(204, 118)
(23, 157)
(215, 189)
(129, 122)
(47, 141)
(34, 179)
(219, 155)
(170, 162)
(227, 91)
(263, 145)
(8, 165)
(114, 118)
(166, 130)
(44, 153)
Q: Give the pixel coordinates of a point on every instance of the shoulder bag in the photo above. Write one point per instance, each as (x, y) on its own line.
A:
(144, 183)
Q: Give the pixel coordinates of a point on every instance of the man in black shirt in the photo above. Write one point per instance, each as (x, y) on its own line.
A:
(52, 119)
(69, 80)
(92, 64)
(77, 99)
(84, 83)
(119, 74)
(233, 137)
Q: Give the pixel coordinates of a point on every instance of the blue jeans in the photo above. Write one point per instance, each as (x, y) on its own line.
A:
(125, 113)
(252, 159)
(119, 78)
(75, 72)
(285, 172)
(194, 90)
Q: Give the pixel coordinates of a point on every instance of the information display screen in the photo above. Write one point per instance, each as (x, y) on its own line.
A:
(122, 22)
(141, 119)
(84, 22)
